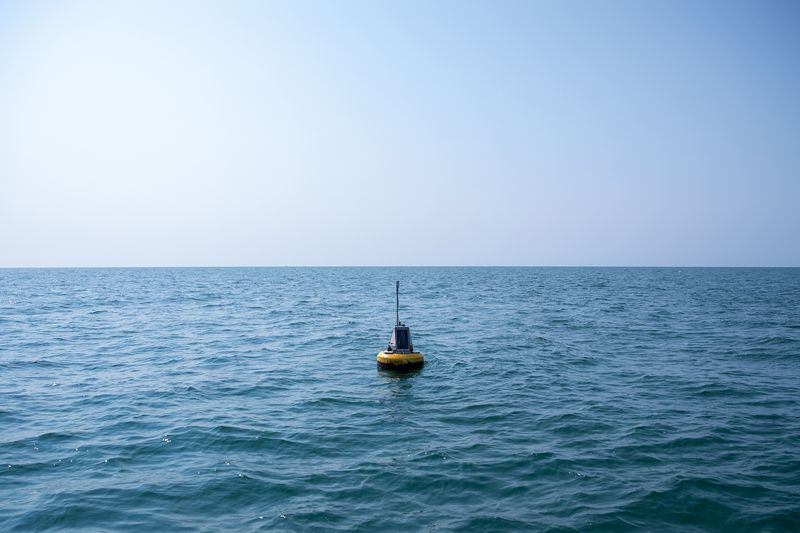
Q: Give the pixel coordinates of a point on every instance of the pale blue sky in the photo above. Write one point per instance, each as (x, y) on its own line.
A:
(399, 133)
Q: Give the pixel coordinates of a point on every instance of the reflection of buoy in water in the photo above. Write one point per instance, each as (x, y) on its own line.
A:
(400, 354)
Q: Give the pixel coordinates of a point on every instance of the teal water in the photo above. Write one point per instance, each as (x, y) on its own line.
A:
(563, 399)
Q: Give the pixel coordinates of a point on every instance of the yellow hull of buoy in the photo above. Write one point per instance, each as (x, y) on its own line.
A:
(400, 361)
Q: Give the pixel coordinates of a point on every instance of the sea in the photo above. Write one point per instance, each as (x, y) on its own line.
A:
(248, 399)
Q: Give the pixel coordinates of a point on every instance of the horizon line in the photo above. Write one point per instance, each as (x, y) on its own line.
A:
(75, 267)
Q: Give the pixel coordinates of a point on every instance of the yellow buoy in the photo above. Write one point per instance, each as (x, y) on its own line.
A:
(400, 361)
(400, 354)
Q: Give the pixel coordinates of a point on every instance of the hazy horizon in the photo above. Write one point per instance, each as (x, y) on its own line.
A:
(415, 134)
(99, 267)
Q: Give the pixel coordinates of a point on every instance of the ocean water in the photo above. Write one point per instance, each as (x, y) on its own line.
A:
(560, 399)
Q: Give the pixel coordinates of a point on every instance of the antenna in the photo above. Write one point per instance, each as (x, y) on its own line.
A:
(397, 295)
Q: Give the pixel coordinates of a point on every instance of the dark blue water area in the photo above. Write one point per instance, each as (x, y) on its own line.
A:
(552, 399)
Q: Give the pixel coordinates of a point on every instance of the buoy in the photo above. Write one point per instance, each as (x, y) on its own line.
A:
(400, 354)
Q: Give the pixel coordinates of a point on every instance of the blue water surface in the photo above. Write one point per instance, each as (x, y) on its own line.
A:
(560, 399)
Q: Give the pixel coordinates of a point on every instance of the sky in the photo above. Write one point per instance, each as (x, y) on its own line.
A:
(192, 133)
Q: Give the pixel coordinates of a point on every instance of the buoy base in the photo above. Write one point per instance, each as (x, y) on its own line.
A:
(400, 361)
